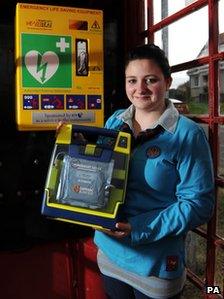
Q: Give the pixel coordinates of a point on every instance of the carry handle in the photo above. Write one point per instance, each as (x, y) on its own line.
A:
(101, 137)
(94, 131)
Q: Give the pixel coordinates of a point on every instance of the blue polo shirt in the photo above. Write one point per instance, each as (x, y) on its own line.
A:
(170, 190)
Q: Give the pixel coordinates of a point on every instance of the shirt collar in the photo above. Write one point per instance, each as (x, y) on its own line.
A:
(168, 120)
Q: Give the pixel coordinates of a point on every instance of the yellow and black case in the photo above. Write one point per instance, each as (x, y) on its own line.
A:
(100, 151)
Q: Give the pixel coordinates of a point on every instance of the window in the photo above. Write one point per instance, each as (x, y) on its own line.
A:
(195, 81)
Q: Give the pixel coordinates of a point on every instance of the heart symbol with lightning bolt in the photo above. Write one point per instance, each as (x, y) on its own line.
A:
(41, 67)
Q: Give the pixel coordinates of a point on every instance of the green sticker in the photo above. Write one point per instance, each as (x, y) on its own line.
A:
(47, 61)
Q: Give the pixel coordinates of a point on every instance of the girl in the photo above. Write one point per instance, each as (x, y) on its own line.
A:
(169, 190)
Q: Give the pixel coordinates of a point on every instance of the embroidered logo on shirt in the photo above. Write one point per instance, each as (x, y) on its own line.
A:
(153, 152)
(171, 263)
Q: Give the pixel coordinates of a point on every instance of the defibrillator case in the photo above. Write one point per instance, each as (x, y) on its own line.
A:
(87, 176)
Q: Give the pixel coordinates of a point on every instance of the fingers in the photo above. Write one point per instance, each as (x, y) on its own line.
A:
(122, 230)
(58, 128)
(124, 226)
(114, 233)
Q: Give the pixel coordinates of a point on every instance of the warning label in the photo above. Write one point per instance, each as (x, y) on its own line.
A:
(95, 25)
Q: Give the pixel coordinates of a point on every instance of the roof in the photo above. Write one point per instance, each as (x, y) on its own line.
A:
(204, 50)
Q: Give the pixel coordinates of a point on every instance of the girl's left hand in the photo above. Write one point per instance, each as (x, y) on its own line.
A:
(58, 128)
(123, 229)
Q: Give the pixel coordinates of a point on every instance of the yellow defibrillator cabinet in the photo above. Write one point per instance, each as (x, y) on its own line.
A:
(59, 66)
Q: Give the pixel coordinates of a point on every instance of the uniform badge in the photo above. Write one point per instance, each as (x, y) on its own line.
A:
(171, 263)
(153, 152)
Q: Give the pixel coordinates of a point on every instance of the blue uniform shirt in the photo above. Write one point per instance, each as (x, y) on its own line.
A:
(169, 192)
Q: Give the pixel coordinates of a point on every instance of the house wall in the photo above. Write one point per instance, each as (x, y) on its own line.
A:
(199, 86)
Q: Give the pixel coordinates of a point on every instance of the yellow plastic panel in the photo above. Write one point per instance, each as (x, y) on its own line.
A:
(64, 135)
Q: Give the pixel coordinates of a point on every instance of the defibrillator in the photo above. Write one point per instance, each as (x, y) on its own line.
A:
(87, 176)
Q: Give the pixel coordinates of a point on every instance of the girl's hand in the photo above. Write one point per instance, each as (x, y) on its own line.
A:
(58, 128)
(122, 230)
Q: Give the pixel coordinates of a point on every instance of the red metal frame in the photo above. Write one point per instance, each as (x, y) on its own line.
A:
(213, 119)
(41, 271)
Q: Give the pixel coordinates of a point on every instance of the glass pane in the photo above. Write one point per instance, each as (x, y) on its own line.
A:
(156, 11)
(221, 152)
(196, 254)
(187, 38)
(221, 78)
(191, 35)
(221, 22)
(179, 79)
(191, 87)
(191, 291)
(220, 213)
(198, 77)
(219, 268)
(179, 91)
(169, 7)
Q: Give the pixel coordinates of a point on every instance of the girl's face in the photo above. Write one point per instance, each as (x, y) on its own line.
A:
(146, 85)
